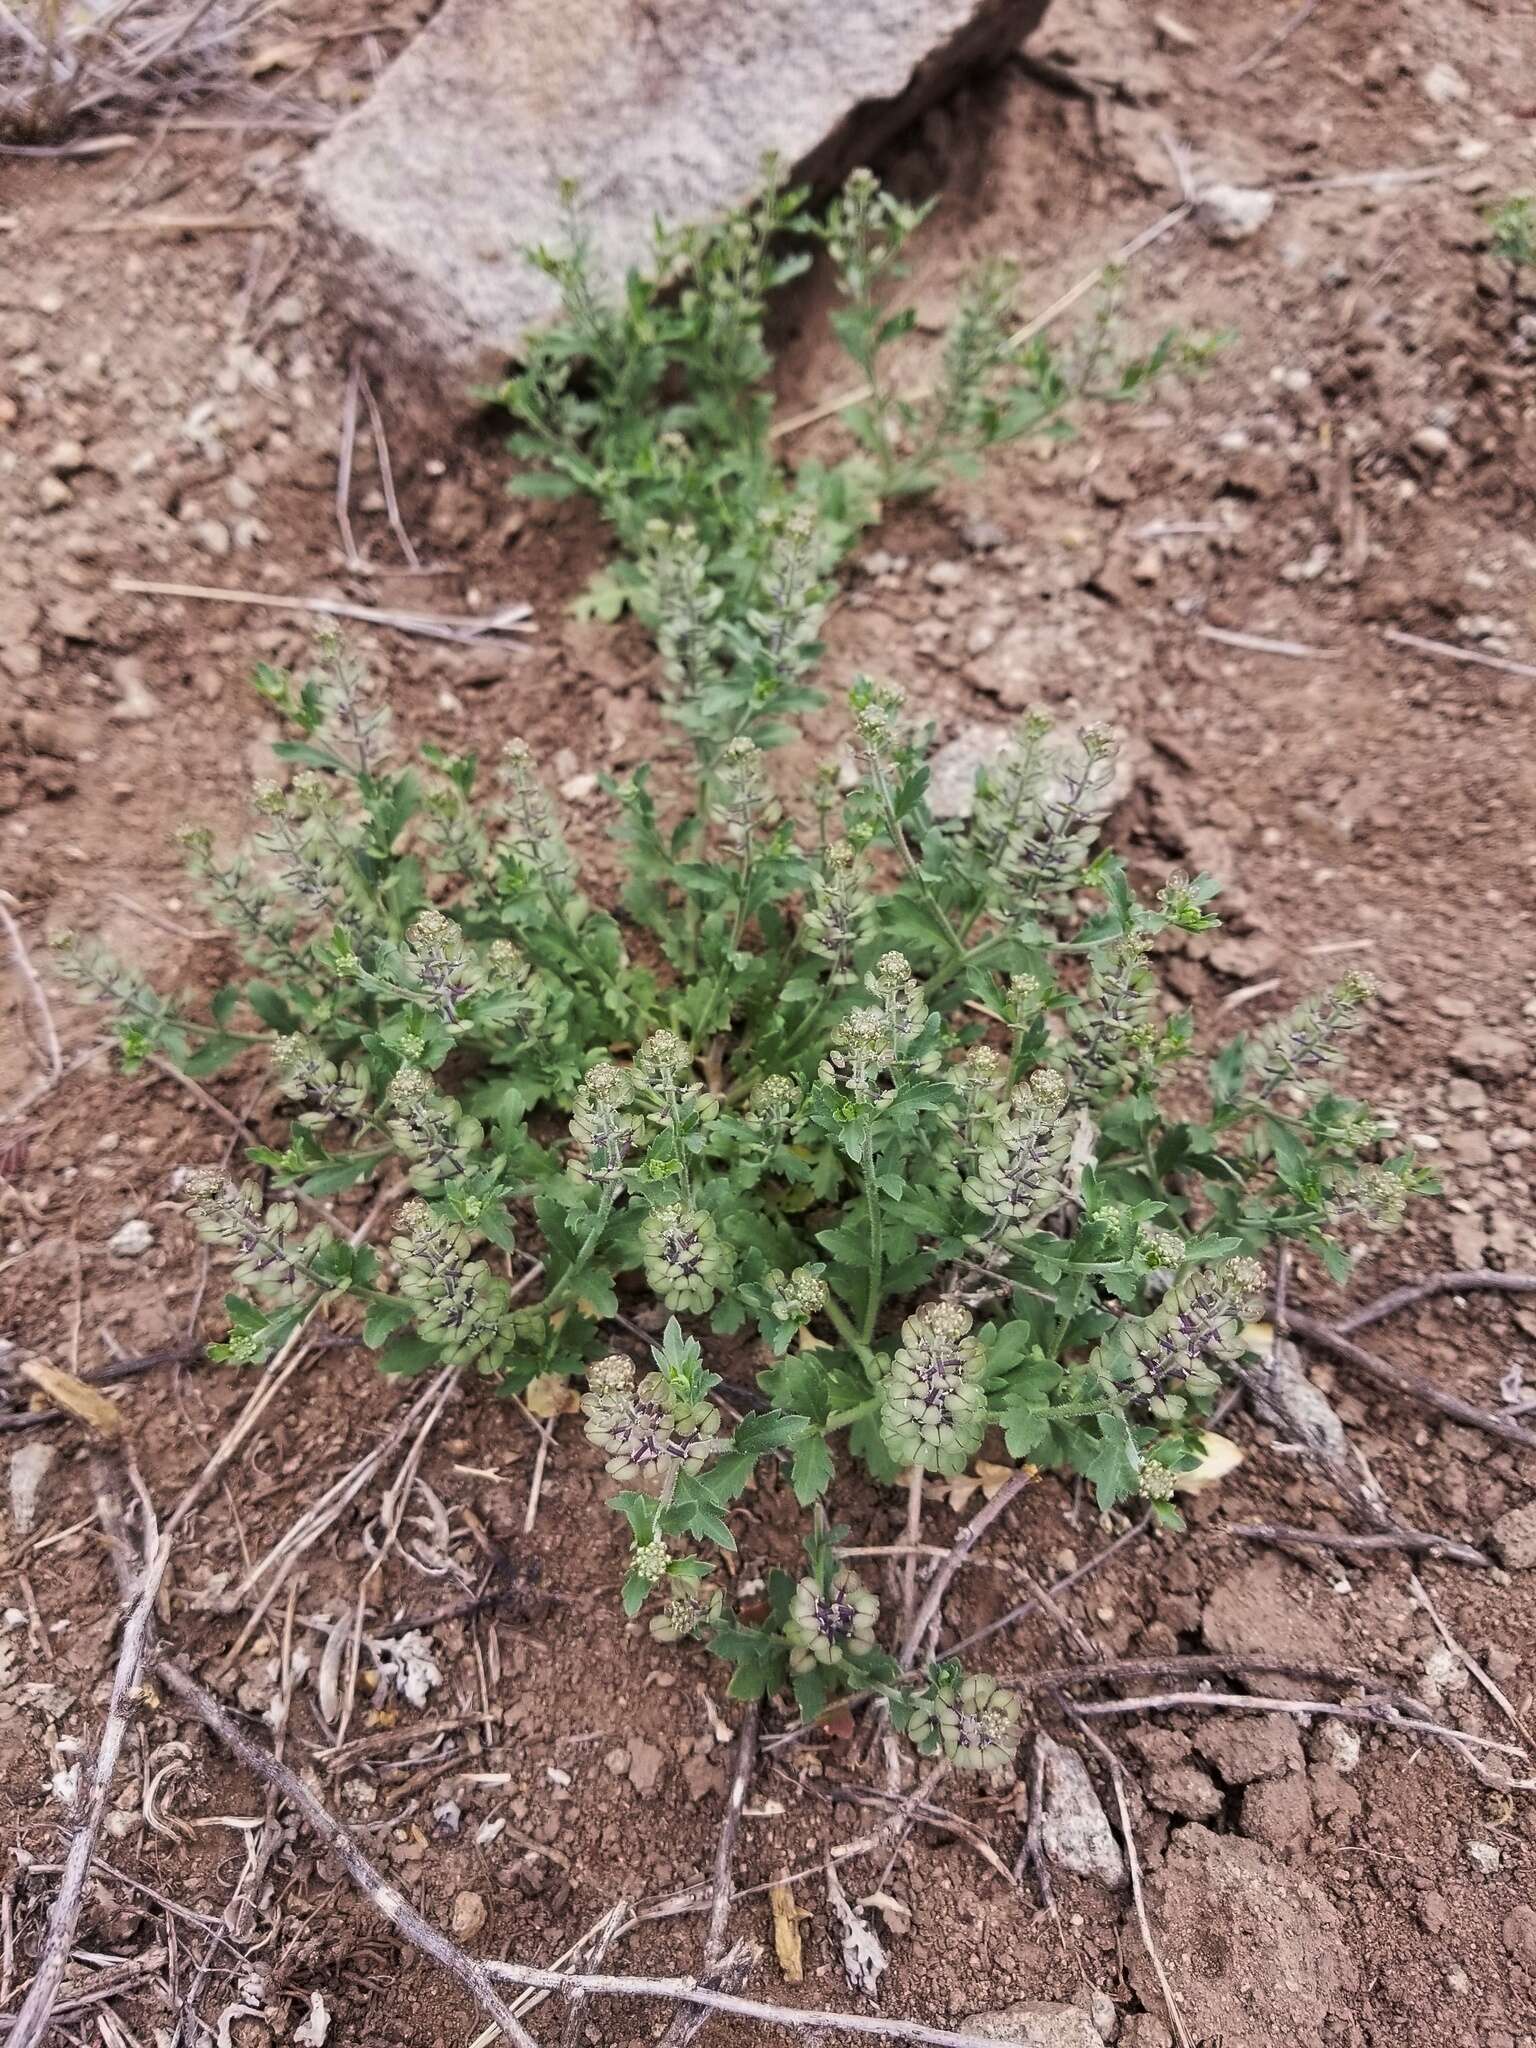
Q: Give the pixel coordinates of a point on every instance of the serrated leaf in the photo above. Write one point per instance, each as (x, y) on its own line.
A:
(810, 1472)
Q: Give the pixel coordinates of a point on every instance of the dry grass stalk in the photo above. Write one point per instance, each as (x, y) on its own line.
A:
(63, 62)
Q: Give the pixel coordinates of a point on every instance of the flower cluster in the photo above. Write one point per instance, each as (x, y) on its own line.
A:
(531, 843)
(1301, 1049)
(973, 1721)
(686, 1262)
(840, 911)
(603, 1126)
(275, 1256)
(1174, 1356)
(831, 1622)
(431, 1130)
(461, 1305)
(1019, 1175)
(933, 1409)
(647, 1433)
(329, 1088)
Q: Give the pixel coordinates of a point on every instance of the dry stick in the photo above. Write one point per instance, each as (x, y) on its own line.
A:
(1283, 34)
(180, 224)
(602, 1939)
(466, 631)
(1118, 1670)
(1144, 240)
(1257, 1703)
(387, 475)
(1446, 652)
(684, 2025)
(1401, 1381)
(1261, 643)
(1133, 1863)
(399, 1912)
(1415, 1542)
(34, 988)
(344, 463)
(1425, 1290)
(964, 1544)
(34, 2019)
(1464, 1656)
(912, 1541)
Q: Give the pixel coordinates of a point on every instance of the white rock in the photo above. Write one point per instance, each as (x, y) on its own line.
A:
(1443, 85)
(1434, 442)
(953, 770)
(421, 198)
(29, 1468)
(1074, 1829)
(1035, 2023)
(1231, 213)
(132, 1240)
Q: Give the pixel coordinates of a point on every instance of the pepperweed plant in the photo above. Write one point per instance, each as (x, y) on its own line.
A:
(888, 1119)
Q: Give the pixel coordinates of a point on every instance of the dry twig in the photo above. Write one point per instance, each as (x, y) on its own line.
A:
(32, 2023)
(1282, 35)
(1399, 1298)
(465, 630)
(1443, 650)
(382, 1896)
(962, 1547)
(1409, 1384)
(35, 990)
(1133, 1864)
(1415, 1542)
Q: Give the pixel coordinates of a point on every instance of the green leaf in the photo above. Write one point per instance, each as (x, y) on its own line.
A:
(810, 1471)
(384, 1317)
(758, 1434)
(407, 1356)
(214, 1053)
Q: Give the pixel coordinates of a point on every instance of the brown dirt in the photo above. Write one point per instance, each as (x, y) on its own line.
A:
(1370, 806)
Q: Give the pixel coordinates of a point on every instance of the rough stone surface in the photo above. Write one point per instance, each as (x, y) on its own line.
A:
(1182, 1789)
(955, 767)
(422, 202)
(1074, 1829)
(1307, 1415)
(1035, 2024)
(1278, 1812)
(1514, 1537)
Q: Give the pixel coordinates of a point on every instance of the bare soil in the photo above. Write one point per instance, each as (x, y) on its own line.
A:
(1359, 461)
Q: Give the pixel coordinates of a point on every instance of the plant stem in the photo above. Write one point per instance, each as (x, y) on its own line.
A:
(846, 1331)
(578, 1265)
(876, 1235)
(915, 874)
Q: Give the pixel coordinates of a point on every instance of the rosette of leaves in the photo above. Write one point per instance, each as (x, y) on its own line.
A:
(828, 1074)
